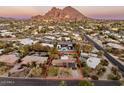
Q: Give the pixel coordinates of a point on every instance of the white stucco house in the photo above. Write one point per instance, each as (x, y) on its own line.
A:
(26, 41)
(93, 62)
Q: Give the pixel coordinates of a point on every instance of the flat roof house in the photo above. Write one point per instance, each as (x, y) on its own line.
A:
(93, 62)
(10, 59)
(32, 58)
(26, 41)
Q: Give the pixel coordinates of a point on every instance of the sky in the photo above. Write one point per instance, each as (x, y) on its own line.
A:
(98, 12)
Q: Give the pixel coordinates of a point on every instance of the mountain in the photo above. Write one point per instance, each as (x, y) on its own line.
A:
(54, 13)
(37, 17)
(68, 13)
(72, 13)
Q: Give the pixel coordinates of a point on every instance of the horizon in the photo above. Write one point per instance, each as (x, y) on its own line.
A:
(95, 12)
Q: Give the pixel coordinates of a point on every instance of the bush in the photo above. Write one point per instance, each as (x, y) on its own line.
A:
(23, 73)
(104, 62)
(85, 83)
(7, 50)
(64, 73)
(122, 82)
(63, 83)
(24, 50)
(94, 77)
(53, 71)
(3, 69)
(87, 48)
(101, 70)
(100, 53)
(84, 64)
(114, 77)
(36, 72)
(114, 70)
(2, 64)
(86, 71)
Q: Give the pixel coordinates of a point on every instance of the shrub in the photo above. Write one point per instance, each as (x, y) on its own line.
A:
(101, 70)
(104, 62)
(7, 50)
(122, 82)
(53, 71)
(24, 50)
(36, 72)
(87, 48)
(94, 77)
(62, 83)
(85, 83)
(84, 64)
(64, 73)
(2, 64)
(114, 70)
(86, 71)
(3, 69)
(114, 77)
(100, 53)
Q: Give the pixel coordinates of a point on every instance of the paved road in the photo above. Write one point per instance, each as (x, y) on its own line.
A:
(108, 56)
(47, 82)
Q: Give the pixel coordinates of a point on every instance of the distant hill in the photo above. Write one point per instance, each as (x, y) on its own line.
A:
(3, 18)
(8, 19)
